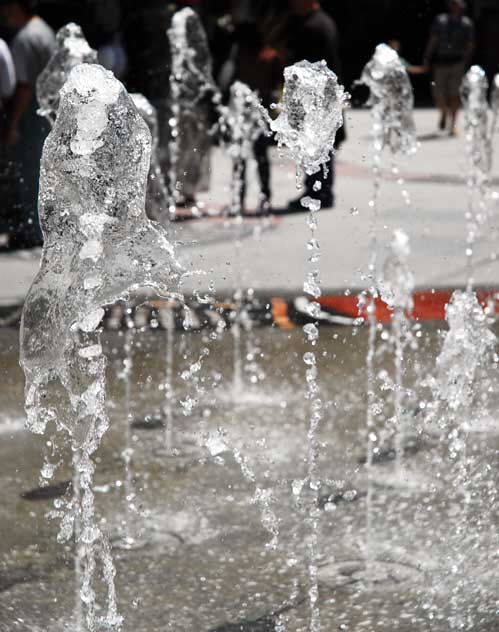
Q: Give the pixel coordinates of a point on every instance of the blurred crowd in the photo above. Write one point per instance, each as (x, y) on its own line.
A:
(250, 41)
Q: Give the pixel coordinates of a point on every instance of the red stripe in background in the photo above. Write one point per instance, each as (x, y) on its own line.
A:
(427, 305)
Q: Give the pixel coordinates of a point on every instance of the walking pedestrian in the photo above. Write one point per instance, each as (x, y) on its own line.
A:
(31, 49)
(313, 36)
(449, 51)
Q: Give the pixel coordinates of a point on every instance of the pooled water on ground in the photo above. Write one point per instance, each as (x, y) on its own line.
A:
(205, 564)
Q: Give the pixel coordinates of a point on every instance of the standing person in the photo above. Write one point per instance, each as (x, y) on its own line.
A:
(31, 49)
(313, 36)
(7, 87)
(449, 49)
(7, 74)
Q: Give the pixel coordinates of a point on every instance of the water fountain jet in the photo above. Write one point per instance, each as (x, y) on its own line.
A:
(311, 114)
(71, 49)
(98, 247)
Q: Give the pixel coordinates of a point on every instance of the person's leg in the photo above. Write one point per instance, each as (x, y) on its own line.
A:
(454, 109)
(439, 80)
(32, 133)
(456, 74)
(238, 187)
(326, 191)
(319, 186)
(260, 150)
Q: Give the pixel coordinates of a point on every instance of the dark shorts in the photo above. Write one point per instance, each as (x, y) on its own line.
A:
(447, 80)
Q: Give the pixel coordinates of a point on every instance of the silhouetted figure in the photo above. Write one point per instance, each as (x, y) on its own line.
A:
(449, 51)
(7, 87)
(31, 49)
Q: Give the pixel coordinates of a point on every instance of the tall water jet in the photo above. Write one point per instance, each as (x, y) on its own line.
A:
(157, 192)
(474, 90)
(71, 49)
(311, 114)
(396, 290)
(98, 247)
(391, 100)
(494, 104)
(193, 93)
(242, 123)
(463, 365)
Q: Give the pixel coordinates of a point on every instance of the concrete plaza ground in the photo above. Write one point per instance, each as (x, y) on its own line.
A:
(273, 253)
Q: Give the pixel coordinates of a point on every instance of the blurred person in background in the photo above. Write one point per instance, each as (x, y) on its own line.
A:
(449, 51)
(313, 36)
(258, 66)
(7, 87)
(31, 49)
(7, 75)
(149, 64)
(103, 20)
(411, 68)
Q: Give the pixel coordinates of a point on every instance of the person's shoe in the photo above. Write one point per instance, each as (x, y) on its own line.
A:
(329, 203)
(295, 206)
(443, 122)
(453, 132)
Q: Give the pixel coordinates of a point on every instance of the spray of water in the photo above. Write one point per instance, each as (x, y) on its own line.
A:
(311, 114)
(98, 247)
(479, 135)
(157, 193)
(396, 290)
(391, 101)
(193, 92)
(71, 49)
(463, 366)
(241, 124)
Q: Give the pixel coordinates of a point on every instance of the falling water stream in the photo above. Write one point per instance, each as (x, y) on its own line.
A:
(193, 95)
(98, 189)
(241, 123)
(393, 126)
(98, 246)
(310, 115)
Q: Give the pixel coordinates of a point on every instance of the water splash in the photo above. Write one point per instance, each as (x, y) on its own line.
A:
(494, 103)
(129, 539)
(241, 124)
(463, 371)
(192, 91)
(392, 101)
(311, 114)
(465, 347)
(168, 385)
(479, 137)
(71, 49)
(98, 247)
(157, 193)
(396, 290)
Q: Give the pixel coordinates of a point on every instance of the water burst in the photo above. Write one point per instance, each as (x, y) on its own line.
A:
(98, 246)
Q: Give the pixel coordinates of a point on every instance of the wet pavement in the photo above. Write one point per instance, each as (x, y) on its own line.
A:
(207, 515)
(273, 255)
